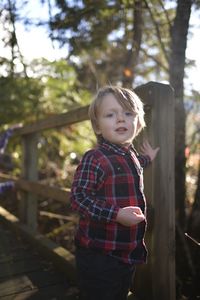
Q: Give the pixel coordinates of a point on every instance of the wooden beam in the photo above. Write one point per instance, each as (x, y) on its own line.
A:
(161, 193)
(71, 117)
(28, 208)
(59, 194)
(35, 187)
(51, 215)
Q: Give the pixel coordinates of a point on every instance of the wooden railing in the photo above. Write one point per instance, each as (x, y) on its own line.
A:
(156, 280)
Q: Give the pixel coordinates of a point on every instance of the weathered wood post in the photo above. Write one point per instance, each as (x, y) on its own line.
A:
(28, 204)
(160, 277)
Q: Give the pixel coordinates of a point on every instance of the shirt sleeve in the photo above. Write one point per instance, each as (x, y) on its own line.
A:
(144, 160)
(88, 178)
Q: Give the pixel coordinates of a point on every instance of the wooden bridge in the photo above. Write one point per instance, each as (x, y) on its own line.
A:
(33, 266)
(24, 273)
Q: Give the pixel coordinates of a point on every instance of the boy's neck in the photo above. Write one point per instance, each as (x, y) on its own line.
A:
(125, 145)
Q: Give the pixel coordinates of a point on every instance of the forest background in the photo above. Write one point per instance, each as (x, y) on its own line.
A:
(127, 42)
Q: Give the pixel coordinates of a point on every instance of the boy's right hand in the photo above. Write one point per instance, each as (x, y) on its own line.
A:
(130, 215)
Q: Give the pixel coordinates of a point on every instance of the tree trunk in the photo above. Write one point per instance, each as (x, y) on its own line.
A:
(132, 55)
(176, 71)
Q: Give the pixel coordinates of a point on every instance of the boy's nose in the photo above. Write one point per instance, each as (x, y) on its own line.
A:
(120, 118)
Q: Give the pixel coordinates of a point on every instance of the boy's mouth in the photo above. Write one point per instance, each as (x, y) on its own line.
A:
(121, 129)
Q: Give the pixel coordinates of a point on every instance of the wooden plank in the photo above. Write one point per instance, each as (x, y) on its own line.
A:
(16, 255)
(72, 218)
(162, 242)
(71, 117)
(35, 187)
(164, 196)
(31, 280)
(28, 208)
(59, 194)
(15, 285)
(19, 267)
(59, 256)
(57, 291)
(12, 249)
(25, 273)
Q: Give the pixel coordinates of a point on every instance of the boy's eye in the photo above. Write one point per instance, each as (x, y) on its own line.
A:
(109, 115)
(128, 113)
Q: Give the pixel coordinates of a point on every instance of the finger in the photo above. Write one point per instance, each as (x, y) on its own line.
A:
(157, 149)
(146, 143)
(137, 210)
(143, 149)
(139, 217)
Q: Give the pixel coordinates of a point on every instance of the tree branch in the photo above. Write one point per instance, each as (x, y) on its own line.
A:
(155, 60)
(162, 45)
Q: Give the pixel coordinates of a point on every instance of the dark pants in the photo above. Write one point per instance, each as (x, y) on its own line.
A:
(102, 277)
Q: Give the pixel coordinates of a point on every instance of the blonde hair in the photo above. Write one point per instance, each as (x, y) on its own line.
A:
(125, 97)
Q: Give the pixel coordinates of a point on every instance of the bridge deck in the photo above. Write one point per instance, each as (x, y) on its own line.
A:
(24, 274)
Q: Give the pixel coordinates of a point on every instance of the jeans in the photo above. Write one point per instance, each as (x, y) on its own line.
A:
(102, 277)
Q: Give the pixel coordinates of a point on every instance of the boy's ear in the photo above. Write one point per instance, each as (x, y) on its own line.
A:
(97, 129)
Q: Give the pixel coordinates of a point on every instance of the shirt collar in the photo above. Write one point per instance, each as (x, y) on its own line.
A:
(115, 148)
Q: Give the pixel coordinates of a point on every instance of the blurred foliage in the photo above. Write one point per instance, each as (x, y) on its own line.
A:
(192, 106)
(19, 97)
(52, 89)
(63, 148)
(62, 90)
(100, 39)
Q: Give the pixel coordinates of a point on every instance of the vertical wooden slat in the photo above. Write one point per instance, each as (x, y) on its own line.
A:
(28, 205)
(163, 193)
(161, 240)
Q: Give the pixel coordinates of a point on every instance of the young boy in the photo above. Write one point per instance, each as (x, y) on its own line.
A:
(107, 192)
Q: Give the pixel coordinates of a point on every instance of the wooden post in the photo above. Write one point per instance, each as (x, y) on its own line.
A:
(161, 266)
(28, 205)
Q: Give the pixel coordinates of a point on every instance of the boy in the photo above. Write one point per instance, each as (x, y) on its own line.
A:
(107, 192)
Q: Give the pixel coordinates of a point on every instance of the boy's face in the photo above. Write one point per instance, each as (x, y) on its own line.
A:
(116, 124)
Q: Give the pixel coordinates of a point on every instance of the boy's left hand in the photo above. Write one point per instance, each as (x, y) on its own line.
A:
(146, 149)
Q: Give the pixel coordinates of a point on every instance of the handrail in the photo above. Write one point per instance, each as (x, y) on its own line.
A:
(65, 119)
(37, 188)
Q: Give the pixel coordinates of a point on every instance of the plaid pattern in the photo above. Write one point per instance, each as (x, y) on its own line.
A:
(108, 178)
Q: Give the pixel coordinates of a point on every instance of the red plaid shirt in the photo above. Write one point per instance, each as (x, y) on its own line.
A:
(108, 178)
